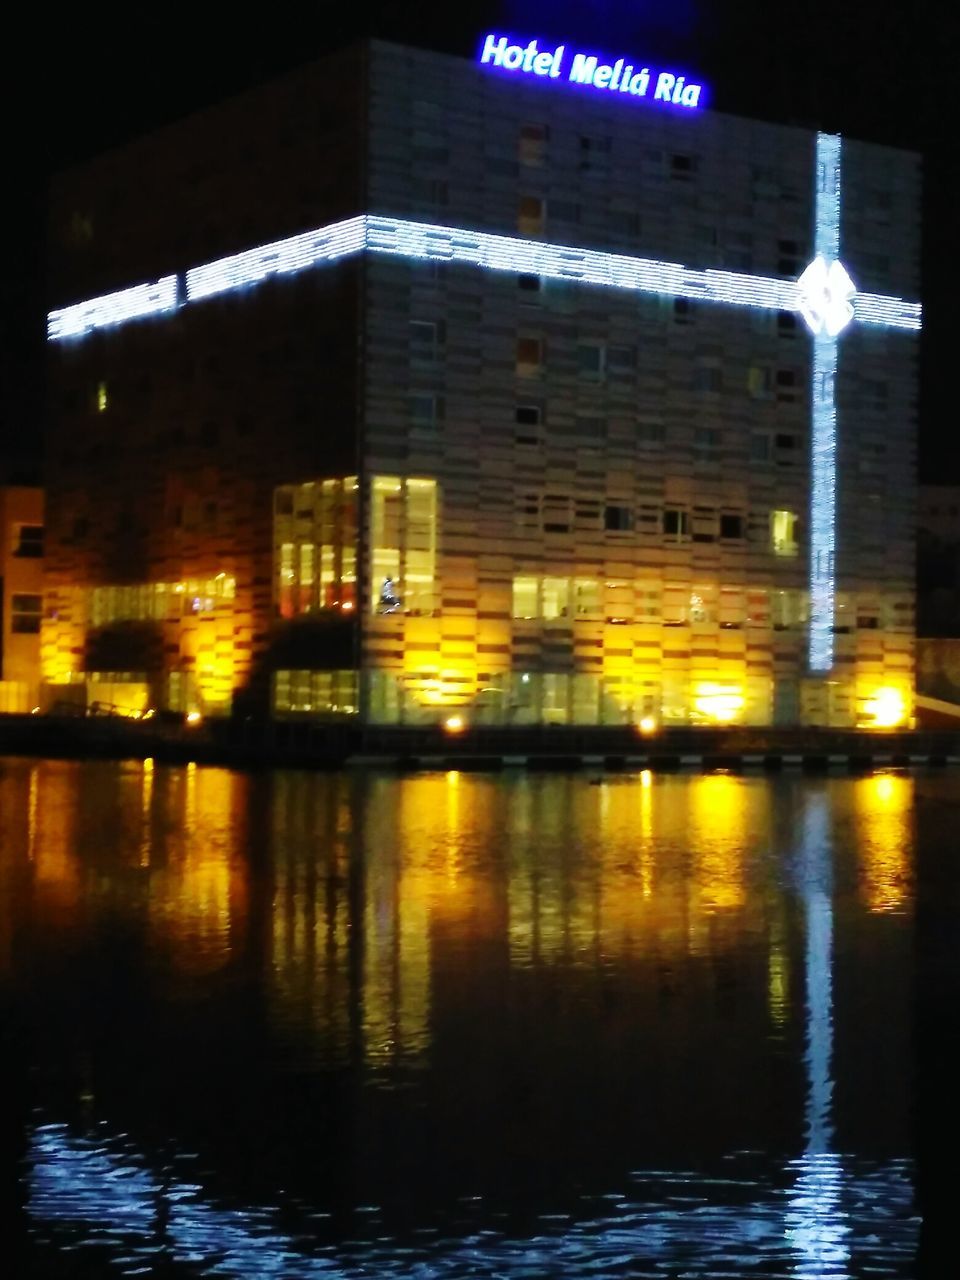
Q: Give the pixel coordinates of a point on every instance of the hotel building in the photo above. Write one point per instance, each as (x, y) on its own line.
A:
(406, 386)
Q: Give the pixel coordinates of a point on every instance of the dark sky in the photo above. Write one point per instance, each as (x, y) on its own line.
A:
(79, 80)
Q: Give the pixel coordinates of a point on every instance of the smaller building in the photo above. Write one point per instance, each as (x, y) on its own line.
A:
(21, 596)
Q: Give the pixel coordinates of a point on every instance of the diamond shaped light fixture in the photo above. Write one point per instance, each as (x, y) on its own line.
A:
(825, 297)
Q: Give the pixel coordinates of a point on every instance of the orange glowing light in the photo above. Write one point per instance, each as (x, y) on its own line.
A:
(454, 724)
(647, 725)
(194, 718)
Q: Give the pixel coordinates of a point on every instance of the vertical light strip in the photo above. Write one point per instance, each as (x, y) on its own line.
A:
(823, 432)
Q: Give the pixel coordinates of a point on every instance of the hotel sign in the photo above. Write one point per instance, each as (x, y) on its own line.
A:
(561, 63)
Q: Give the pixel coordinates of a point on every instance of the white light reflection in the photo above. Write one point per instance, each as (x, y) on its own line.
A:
(816, 1223)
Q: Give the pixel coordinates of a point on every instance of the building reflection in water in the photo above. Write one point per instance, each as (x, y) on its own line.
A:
(385, 908)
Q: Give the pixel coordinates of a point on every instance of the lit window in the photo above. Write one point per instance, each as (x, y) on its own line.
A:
(556, 597)
(28, 541)
(532, 212)
(25, 614)
(586, 595)
(403, 533)
(525, 597)
(783, 533)
(101, 397)
(529, 356)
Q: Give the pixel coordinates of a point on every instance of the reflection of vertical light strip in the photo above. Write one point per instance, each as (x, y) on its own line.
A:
(147, 811)
(32, 801)
(823, 433)
(815, 1223)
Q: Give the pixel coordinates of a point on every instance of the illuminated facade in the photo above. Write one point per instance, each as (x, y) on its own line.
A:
(568, 410)
(21, 595)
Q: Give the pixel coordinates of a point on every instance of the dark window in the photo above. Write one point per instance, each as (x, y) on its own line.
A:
(682, 166)
(528, 414)
(682, 310)
(786, 320)
(29, 542)
(786, 441)
(283, 503)
(731, 526)
(619, 518)
(528, 284)
(786, 378)
(676, 523)
(25, 614)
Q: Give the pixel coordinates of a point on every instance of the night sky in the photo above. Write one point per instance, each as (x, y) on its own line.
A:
(78, 83)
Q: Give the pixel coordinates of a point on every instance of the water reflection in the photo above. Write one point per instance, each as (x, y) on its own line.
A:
(618, 1006)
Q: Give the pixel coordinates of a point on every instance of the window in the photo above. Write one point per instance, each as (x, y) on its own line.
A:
(556, 598)
(591, 359)
(586, 596)
(759, 447)
(529, 285)
(676, 522)
(529, 356)
(426, 409)
(618, 519)
(25, 614)
(531, 215)
(528, 418)
(525, 598)
(533, 144)
(102, 399)
(403, 535)
(731, 526)
(424, 339)
(759, 382)
(706, 439)
(787, 383)
(28, 541)
(682, 166)
(783, 533)
(682, 311)
(786, 320)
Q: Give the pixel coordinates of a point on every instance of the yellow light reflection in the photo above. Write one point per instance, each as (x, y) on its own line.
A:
(718, 832)
(885, 840)
(198, 891)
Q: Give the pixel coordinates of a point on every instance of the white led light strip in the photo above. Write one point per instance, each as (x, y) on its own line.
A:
(113, 309)
(403, 238)
(283, 257)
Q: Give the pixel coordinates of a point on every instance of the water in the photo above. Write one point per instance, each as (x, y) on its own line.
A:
(306, 1026)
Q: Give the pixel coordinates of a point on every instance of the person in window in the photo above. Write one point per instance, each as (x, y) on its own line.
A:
(389, 600)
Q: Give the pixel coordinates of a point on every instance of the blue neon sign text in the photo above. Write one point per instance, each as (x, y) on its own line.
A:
(586, 68)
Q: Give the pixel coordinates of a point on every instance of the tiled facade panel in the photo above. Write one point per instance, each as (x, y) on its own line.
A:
(699, 409)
